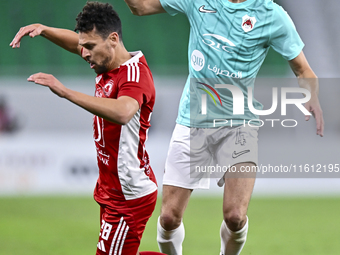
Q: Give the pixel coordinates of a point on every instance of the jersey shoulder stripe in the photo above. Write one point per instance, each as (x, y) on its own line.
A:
(133, 72)
(133, 68)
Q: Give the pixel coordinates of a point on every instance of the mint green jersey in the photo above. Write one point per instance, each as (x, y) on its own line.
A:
(228, 44)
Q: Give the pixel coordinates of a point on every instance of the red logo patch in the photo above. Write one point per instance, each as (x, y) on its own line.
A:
(248, 23)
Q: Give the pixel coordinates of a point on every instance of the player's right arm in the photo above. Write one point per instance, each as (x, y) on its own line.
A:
(64, 38)
(145, 7)
(120, 110)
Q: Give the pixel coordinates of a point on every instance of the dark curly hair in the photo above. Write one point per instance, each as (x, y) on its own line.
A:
(100, 16)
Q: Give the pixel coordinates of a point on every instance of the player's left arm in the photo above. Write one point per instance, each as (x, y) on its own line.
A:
(64, 38)
(145, 7)
(308, 80)
(118, 111)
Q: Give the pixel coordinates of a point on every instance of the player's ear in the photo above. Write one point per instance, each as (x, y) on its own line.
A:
(114, 38)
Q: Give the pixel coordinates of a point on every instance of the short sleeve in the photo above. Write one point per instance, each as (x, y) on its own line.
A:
(132, 89)
(174, 7)
(284, 38)
(141, 89)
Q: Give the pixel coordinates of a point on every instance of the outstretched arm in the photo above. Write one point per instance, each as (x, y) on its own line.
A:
(119, 110)
(64, 38)
(145, 7)
(308, 80)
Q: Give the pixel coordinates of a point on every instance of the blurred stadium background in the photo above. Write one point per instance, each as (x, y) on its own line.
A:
(46, 145)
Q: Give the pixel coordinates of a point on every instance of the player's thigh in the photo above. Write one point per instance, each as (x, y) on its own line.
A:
(238, 146)
(187, 152)
(174, 202)
(122, 225)
(238, 189)
(142, 209)
(116, 237)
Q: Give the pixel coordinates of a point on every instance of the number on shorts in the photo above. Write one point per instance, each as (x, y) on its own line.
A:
(240, 138)
(106, 230)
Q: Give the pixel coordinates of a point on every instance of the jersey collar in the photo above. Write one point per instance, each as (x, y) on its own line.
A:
(136, 55)
(237, 5)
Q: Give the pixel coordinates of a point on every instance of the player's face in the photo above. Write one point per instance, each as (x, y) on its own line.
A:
(98, 52)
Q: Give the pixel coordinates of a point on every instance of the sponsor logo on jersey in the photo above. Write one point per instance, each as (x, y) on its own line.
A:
(225, 73)
(202, 9)
(248, 23)
(218, 43)
(197, 60)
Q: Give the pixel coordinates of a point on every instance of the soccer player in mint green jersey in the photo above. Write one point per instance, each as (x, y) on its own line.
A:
(229, 40)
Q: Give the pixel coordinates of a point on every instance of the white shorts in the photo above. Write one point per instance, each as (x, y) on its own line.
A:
(197, 155)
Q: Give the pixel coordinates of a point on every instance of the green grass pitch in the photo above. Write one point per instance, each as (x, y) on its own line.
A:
(70, 225)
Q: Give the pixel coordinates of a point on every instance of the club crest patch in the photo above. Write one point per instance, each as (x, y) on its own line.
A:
(248, 23)
(108, 87)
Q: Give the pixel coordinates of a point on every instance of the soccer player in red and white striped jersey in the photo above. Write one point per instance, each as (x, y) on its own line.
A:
(126, 189)
(120, 148)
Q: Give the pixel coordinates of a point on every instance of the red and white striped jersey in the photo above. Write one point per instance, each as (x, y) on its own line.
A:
(124, 170)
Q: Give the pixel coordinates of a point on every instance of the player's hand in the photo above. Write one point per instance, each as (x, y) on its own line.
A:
(30, 30)
(313, 106)
(48, 80)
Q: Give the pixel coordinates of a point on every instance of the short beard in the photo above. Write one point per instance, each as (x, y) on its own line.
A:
(103, 67)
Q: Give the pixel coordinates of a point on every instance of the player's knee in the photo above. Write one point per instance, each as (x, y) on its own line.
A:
(235, 220)
(170, 221)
